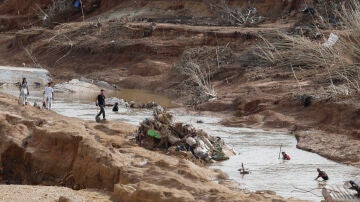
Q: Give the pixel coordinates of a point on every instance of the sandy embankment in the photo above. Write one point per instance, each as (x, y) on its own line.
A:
(43, 148)
(326, 127)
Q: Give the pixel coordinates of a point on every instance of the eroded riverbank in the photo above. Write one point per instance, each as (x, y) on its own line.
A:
(43, 147)
(258, 149)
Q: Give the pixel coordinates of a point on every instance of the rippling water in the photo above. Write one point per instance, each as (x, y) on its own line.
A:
(257, 149)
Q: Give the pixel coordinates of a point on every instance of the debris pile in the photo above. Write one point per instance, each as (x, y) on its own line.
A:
(179, 139)
(149, 105)
(76, 86)
(113, 100)
(130, 104)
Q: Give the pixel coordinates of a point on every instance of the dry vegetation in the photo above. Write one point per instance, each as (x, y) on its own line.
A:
(338, 63)
(234, 16)
(199, 65)
(55, 11)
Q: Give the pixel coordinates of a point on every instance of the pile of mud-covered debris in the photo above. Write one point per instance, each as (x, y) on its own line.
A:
(179, 139)
(130, 104)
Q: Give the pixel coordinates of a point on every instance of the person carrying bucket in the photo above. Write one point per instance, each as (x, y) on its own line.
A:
(24, 92)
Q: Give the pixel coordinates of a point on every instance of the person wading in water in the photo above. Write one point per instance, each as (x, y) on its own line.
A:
(285, 156)
(100, 101)
(116, 107)
(322, 174)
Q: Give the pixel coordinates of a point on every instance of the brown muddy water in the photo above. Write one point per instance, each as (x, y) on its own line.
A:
(137, 95)
(257, 149)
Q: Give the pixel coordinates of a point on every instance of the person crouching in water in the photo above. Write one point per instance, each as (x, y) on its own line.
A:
(322, 174)
(24, 92)
(116, 107)
(100, 101)
(355, 187)
(49, 96)
(285, 156)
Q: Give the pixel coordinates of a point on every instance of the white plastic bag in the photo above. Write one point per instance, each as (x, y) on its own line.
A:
(190, 141)
(333, 38)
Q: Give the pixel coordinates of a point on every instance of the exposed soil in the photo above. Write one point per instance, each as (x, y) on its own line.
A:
(328, 126)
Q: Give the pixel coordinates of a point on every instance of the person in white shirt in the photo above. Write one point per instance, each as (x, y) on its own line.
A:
(49, 95)
(24, 92)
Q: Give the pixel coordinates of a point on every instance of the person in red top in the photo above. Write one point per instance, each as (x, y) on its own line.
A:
(285, 156)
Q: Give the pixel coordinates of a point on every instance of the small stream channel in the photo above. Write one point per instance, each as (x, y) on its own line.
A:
(257, 149)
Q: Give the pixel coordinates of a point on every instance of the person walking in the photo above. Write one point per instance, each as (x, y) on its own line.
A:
(49, 96)
(100, 101)
(24, 92)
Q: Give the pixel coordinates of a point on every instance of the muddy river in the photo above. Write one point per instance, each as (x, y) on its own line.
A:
(257, 149)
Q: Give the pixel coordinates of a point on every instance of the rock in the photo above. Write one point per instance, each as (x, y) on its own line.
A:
(123, 192)
(113, 100)
(115, 145)
(154, 193)
(265, 192)
(104, 84)
(76, 86)
(86, 80)
(64, 199)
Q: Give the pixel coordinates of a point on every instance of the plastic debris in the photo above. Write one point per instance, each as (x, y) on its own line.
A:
(333, 38)
(160, 132)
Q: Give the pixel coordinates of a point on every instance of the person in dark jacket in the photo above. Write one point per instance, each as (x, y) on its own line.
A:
(322, 174)
(355, 187)
(100, 101)
(116, 107)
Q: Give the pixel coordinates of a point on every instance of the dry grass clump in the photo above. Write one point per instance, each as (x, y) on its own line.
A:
(201, 77)
(198, 65)
(234, 16)
(339, 62)
(57, 10)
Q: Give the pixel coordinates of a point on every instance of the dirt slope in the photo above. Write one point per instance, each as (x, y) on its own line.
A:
(19, 13)
(122, 50)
